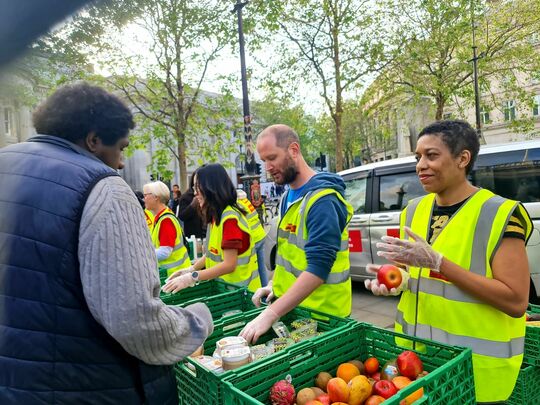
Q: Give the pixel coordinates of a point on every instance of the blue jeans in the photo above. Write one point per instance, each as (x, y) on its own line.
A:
(259, 248)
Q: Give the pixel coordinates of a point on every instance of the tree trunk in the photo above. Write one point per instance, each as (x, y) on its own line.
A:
(339, 102)
(440, 107)
(182, 162)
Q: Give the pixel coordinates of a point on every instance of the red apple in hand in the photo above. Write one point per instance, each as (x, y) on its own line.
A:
(384, 388)
(409, 364)
(389, 275)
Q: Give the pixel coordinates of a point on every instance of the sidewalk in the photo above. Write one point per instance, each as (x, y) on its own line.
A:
(366, 307)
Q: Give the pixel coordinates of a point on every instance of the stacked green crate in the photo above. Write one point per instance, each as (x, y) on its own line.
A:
(202, 290)
(527, 390)
(450, 379)
(197, 385)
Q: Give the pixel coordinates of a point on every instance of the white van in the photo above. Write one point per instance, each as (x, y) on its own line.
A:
(379, 191)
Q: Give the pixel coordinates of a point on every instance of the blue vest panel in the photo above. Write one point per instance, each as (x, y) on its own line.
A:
(52, 351)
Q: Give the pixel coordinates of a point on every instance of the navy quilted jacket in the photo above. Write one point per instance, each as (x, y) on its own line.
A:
(52, 351)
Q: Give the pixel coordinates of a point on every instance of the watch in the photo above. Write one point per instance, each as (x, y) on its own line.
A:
(195, 277)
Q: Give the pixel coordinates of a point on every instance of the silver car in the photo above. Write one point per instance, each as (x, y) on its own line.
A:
(379, 191)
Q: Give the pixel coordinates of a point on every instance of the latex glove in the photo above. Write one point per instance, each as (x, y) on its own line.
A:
(178, 273)
(179, 283)
(259, 326)
(262, 293)
(380, 289)
(418, 253)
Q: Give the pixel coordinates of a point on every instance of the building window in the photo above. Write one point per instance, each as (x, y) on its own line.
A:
(509, 109)
(536, 105)
(8, 121)
(484, 116)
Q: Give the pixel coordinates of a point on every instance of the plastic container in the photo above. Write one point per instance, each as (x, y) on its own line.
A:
(232, 359)
(532, 340)
(527, 389)
(204, 387)
(450, 379)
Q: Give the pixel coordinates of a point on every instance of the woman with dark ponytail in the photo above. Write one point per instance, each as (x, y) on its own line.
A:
(230, 249)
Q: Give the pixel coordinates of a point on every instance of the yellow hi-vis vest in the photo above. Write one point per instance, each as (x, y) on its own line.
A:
(149, 219)
(179, 258)
(246, 273)
(256, 229)
(334, 297)
(450, 315)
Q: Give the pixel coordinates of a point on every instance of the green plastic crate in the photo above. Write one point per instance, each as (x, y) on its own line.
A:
(198, 292)
(527, 390)
(221, 303)
(532, 340)
(205, 387)
(450, 379)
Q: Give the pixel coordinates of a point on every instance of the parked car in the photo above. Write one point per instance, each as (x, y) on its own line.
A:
(379, 191)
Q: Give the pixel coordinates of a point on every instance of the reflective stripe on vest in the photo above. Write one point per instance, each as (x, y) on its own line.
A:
(252, 217)
(179, 258)
(448, 314)
(246, 273)
(484, 347)
(334, 296)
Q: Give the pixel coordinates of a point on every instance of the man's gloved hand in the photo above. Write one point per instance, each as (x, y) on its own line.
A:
(418, 253)
(179, 283)
(259, 326)
(381, 289)
(262, 293)
(178, 273)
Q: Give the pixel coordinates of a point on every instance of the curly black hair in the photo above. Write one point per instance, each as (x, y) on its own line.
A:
(75, 110)
(458, 136)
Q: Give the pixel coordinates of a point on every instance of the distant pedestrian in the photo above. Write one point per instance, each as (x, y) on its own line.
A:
(189, 212)
(257, 199)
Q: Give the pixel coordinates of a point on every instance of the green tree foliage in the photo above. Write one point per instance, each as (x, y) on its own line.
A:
(282, 110)
(435, 40)
(333, 44)
(164, 79)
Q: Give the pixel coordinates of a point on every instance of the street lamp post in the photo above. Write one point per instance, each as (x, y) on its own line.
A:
(250, 158)
(474, 60)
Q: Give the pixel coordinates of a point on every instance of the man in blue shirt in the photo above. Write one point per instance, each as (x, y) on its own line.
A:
(316, 200)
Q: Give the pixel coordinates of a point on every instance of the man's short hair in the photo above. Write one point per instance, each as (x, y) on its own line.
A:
(284, 135)
(75, 110)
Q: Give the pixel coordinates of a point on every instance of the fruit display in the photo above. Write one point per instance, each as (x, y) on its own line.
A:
(356, 383)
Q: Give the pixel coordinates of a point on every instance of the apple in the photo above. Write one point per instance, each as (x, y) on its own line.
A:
(389, 275)
(324, 399)
(409, 364)
(384, 388)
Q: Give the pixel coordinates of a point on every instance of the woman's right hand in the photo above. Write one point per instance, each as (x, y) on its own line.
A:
(178, 273)
(380, 289)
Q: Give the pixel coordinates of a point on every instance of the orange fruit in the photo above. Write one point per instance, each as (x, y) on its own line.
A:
(347, 371)
(401, 381)
(371, 365)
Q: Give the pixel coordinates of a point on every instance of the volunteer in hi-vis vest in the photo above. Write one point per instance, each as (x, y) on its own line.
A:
(257, 232)
(469, 285)
(312, 258)
(230, 248)
(166, 231)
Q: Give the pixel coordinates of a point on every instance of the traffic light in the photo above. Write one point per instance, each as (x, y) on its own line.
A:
(258, 168)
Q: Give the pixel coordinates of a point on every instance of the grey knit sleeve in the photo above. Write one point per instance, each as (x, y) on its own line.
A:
(120, 280)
